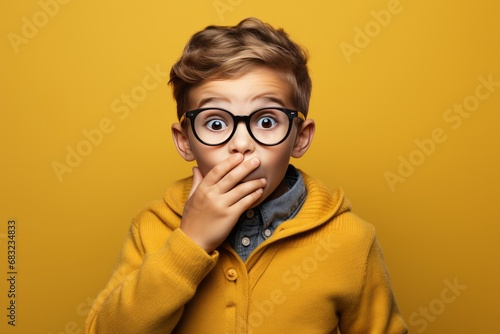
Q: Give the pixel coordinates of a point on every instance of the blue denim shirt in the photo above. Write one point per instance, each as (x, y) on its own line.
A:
(259, 223)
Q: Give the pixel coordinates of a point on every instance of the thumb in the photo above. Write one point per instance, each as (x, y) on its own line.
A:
(197, 178)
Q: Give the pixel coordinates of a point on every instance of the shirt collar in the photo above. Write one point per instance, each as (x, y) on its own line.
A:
(286, 206)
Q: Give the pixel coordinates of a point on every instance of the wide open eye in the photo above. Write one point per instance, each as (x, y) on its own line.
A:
(266, 122)
(213, 120)
(215, 124)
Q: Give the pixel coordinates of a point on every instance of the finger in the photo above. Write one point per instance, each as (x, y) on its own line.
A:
(197, 178)
(247, 201)
(237, 174)
(244, 189)
(221, 169)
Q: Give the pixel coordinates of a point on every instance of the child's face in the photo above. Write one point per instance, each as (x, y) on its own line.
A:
(261, 87)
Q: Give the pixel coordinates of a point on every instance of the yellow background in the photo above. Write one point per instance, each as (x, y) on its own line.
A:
(437, 227)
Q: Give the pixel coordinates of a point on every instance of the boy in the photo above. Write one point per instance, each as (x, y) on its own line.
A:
(248, 244)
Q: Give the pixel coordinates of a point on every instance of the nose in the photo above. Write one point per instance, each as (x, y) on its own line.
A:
(241, 142)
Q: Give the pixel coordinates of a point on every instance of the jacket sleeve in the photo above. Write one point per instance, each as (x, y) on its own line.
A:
(375, 310)
(148, 290)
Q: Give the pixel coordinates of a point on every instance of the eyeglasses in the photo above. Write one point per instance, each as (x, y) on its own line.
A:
(267, 126)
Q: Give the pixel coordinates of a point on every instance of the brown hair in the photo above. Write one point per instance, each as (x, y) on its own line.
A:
(220, 52)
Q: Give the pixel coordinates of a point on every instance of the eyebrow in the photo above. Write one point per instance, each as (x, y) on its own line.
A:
(264, 97)
(210, 100)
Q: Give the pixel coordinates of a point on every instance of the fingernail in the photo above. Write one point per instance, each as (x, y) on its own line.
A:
(255, 161)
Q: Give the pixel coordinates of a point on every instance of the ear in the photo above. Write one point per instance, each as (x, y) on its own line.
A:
(304, 138)
(181, 141)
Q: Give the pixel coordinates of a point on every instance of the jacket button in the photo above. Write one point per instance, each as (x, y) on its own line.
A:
(231, 274)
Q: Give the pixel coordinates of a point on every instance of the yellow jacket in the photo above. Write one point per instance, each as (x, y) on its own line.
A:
(319, 272)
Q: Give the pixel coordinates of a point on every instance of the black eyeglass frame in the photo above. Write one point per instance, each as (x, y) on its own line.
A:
(191, 115)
